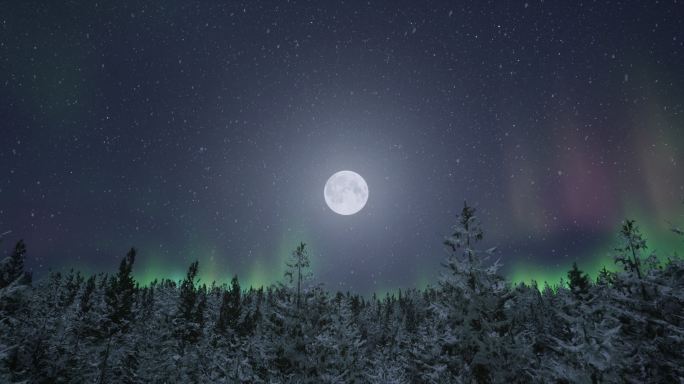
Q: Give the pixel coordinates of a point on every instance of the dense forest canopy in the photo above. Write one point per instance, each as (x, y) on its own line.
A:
(472, 326)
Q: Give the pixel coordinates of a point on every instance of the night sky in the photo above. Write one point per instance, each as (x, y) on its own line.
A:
(207, 131)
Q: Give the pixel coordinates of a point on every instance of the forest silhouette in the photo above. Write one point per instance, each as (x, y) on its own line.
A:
(472, 326)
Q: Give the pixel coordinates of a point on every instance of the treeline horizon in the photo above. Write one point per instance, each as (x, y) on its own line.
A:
(473, 326)
(539, 283)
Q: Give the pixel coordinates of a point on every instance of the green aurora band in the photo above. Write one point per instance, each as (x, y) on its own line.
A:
(660, 240)
(263, 271)
(266, 270)
(268, 267)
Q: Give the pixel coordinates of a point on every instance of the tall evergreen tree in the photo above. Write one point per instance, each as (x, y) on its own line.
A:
(229, 312)
(297, 269)
(72, 285)
(86, 302)
(473, 303)
(466, 232)
(121, 293)
(629, 252)
(632, 244)
(578, 281)
(191, 306)
(12, 268)
(119, 296)
(201, 307)
(188, 293)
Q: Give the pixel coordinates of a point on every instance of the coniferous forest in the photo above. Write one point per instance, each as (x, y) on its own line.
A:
(470, 327)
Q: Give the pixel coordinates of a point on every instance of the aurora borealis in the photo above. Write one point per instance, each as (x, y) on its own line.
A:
(206, 131)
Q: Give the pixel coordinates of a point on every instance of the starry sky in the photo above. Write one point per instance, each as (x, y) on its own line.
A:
(206, 131)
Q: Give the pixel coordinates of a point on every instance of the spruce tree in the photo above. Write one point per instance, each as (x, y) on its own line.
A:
(473, 302)
(234, 307)
(466, 232)
(188, 295)
(191, 306)
(629, 253)
(578, 281)
(229, 312)
(198, 315)
(632, 244)
(119, 298)
(121, 293)
(12, 268)
(70, 289)
(297, 269)
(86, 302)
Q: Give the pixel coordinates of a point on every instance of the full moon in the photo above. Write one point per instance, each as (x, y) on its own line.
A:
(346, 192)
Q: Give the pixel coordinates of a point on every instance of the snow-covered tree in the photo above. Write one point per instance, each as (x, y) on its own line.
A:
(230, 311)
(119, 297)
(578, 281)
(12, 267)
(297, 269)
(628, 254)
(473, 303)
(473, 328)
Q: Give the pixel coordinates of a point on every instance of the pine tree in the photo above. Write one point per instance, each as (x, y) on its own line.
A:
(229, 313)
(85, 302)
(472, 304)
(119, 298)
(198, 315)
(12, 268)
(188, 295)
(70, 289)
(632, 243)
(605, 277)
(583, 340)
(120, 294)
(629, 253)
(467, 231)
(191, 305)
(297, 268)
(578, 281)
